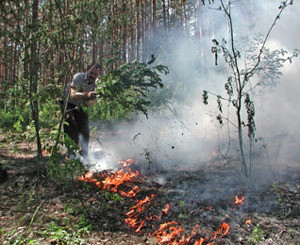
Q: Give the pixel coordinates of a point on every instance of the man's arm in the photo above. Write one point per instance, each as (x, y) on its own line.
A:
(74, 95)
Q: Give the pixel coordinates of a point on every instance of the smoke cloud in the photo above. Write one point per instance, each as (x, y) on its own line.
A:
(187, 134)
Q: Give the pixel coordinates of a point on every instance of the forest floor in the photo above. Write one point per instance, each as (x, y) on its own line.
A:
(37, 210)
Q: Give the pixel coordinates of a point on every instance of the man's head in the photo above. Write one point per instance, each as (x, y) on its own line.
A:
(92, 72)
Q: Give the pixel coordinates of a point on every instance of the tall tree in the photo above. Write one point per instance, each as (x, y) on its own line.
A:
(34, 73)
(137, 31)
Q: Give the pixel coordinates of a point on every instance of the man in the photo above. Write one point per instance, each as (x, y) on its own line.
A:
(81, 94)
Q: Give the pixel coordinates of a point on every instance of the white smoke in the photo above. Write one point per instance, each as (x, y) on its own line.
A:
(192, 135)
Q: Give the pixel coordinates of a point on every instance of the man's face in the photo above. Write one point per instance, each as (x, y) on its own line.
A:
(92, 74)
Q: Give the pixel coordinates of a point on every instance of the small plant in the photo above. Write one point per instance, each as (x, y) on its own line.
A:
(26, 199)
(60, 169)
(182, 213)
(181, 204)
(68, 234)
(256, 236)
(113, 197)
(181, 216)
(12, 235)
(15, 119)
(66, 170)
(117, 198)
(281, 201)
(74, 208)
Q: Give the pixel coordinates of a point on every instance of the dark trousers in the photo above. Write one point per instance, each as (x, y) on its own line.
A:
(77, 123)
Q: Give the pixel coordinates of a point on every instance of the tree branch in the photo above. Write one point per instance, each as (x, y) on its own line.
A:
(249, 73)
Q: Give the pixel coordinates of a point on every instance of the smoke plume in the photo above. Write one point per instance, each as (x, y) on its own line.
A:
(186, 134)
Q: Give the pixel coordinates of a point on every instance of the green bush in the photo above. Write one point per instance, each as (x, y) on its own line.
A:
(49, 113)
(15, 120)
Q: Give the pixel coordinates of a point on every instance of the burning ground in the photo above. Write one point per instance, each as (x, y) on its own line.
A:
(212, 204)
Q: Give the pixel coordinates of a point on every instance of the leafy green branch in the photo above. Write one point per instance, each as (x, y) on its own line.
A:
(130, 85)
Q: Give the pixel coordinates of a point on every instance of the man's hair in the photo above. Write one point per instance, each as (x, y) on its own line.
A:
(96, 65)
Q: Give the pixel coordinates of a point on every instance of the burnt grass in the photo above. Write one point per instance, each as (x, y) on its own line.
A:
(30, 201)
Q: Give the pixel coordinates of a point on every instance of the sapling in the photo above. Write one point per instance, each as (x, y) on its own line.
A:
(238, 86)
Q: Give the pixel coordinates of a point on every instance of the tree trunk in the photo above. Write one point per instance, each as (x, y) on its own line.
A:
(101, 55)
(131, 46)
(143, 28)
(94, 47)
(124, 37)
(34, 63)
(184, 18)
(137, 32)
(154, 17)
(164, 14)
(5, 54)
(240, 134)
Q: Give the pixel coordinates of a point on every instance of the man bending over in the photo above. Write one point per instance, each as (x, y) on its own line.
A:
(81, 94)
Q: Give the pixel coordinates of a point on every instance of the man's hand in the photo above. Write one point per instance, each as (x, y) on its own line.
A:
(91, 95)
(74, 95)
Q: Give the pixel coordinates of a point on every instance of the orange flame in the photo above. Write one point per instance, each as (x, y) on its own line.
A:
(131, 193)
(113, 181)
(135, 211)
(118, 178)
(168, 232)
(140, 206)
(223, 230)
(140, 226)
(128, 162)
(248, 222)
(86, 177)
(238, 201)
(200, 241)
(166, 209)
(131, 222)
(194, 232)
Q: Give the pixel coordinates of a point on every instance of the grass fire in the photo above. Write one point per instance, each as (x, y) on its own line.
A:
(147, 216)
(138, 216)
